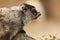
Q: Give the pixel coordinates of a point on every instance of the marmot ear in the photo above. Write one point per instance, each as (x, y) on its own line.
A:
(27, 6)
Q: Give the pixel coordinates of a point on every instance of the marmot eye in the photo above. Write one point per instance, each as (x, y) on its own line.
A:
(24, 8)
(34, 12)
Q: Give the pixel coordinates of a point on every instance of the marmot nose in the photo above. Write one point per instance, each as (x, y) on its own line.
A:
(37, 16)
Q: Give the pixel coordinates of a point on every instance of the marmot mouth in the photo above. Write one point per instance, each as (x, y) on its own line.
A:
(37, 16)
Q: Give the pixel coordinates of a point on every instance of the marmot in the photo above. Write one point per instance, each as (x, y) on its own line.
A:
(13, 19)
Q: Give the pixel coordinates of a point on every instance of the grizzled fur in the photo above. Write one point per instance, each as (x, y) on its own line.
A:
(13, 19)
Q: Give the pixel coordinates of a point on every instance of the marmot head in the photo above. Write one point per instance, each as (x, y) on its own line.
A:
(30, 12)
